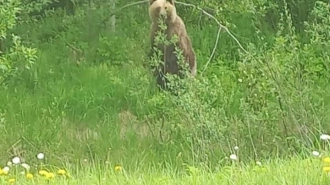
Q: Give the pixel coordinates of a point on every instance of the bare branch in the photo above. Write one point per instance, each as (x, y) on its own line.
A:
(216, 20)
(204, 12)
(123, 7)
(218, 34)
(132, 4)
(213, 51)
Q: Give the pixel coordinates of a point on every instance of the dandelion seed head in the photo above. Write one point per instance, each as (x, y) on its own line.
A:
(16, 160)
(233, 157)
(325, 137)
(316, 153)
(26, 166)
(40, 156)
(9, 163)
(6, 169)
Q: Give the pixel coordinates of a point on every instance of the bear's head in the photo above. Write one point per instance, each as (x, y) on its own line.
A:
(162, 8)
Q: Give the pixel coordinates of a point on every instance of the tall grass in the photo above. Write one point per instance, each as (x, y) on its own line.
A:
(90, 97)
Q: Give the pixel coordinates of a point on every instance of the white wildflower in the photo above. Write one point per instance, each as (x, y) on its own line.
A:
(9, 163)
(16, 160)
(236, 148)
(233, 157)
(325, 137)
(40, 156)
(258, 163)
(316, 153)
(26, 166)
(6, 169)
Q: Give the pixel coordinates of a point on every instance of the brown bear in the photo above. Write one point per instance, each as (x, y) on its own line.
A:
(175, 26)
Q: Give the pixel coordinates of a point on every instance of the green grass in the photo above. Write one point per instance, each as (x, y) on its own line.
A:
(87, 118)
(295, 171)
(75, 114)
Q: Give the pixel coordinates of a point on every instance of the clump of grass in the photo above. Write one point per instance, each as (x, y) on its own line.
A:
(16, 170)
(315, 169)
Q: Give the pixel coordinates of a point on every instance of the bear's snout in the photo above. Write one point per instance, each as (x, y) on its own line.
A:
(158, 9)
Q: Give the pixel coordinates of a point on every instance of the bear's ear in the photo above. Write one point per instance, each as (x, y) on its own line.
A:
(151, 1)
(171, 1)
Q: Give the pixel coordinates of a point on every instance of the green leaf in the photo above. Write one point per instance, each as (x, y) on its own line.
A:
(3, 67)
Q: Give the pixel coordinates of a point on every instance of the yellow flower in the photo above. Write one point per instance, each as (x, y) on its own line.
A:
(29, 176)
(4, 171)
(118, 168)
(326, 169)
(61, 172)
(11, 180)
(50, 175)
(43, 172)
(326, 160)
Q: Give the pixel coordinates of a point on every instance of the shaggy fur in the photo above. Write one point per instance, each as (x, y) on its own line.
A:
(175, 26)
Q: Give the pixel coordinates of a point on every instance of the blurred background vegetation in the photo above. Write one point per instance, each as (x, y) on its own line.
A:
(74, 85)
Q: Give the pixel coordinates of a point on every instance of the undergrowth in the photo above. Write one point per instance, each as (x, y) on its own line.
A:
(79, 91)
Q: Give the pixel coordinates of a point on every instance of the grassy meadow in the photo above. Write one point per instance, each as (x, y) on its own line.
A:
(294, 171)
(90, 104)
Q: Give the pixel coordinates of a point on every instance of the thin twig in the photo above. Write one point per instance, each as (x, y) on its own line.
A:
(123, 7)
(132, 4)
(218, 34)
(213, 51)
(216, 20)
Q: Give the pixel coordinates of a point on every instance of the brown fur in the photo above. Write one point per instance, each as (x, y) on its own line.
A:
(175, 26)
